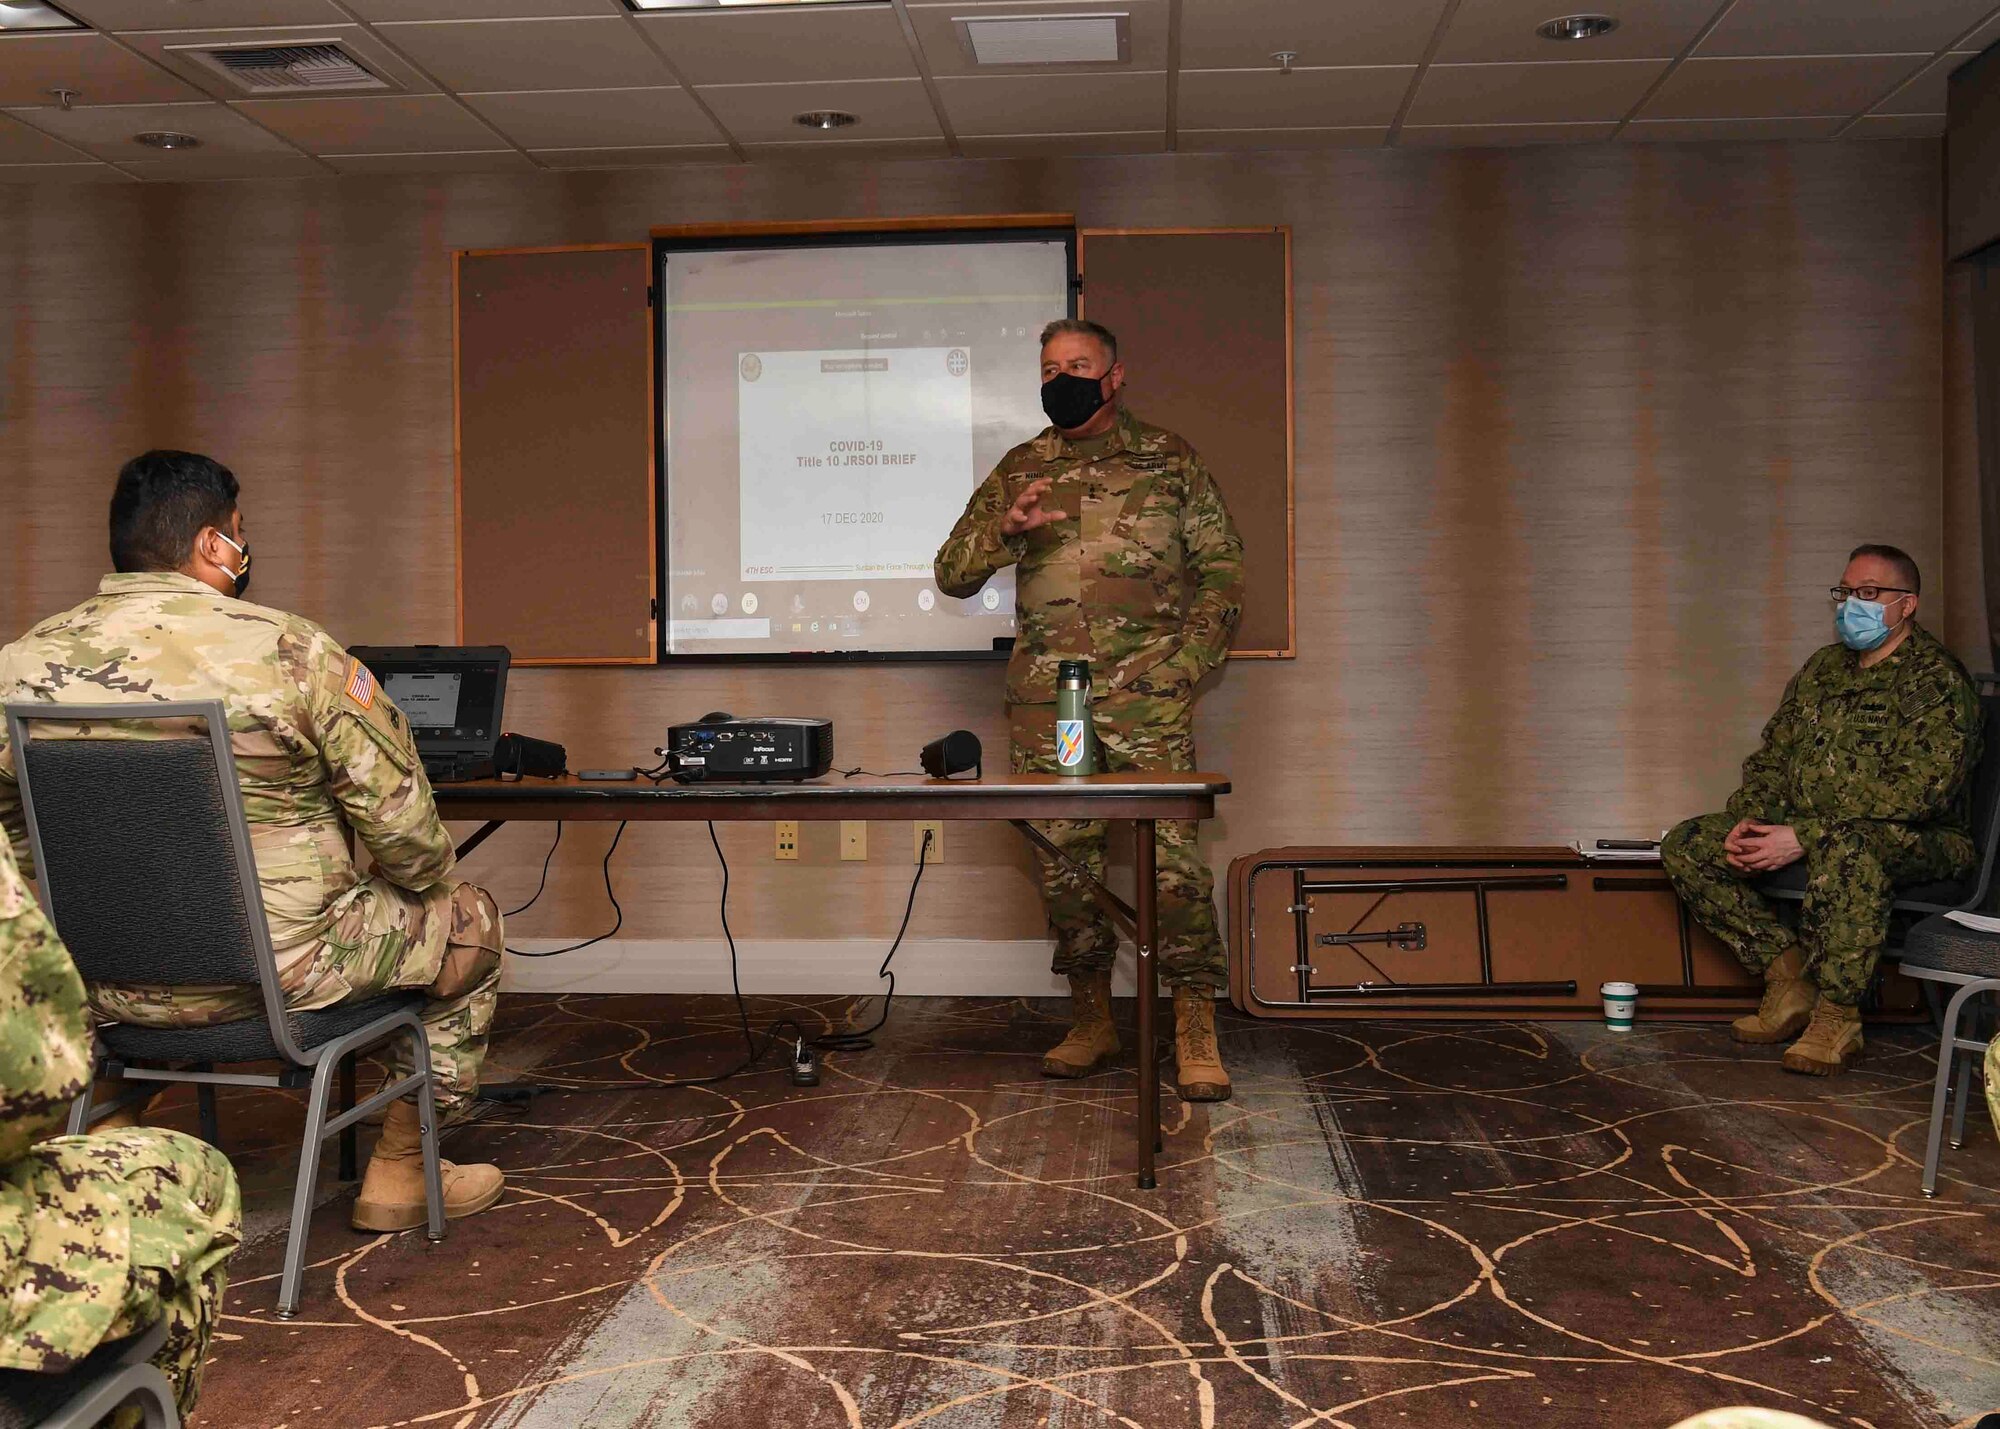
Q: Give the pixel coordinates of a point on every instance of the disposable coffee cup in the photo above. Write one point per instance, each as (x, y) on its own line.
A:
(1620, 1000)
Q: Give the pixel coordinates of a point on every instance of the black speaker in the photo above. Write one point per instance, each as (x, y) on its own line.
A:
(518, 754)
(954, 754)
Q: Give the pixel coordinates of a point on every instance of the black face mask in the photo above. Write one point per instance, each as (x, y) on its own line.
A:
(1070, 401)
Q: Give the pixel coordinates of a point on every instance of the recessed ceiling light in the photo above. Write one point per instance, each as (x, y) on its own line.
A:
(824, 119)
(34, 15)
(734, 4)
(1576, 27)
(166, 139)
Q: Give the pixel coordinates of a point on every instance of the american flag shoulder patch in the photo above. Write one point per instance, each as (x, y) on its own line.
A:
(360, 684)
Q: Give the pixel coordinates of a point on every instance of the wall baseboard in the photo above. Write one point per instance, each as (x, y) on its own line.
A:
(938, 967)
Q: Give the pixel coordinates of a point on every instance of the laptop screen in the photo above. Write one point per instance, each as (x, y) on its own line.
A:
(451, 695)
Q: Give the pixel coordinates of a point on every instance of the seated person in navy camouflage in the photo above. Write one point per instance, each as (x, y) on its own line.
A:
(101, 1236)
(1865, 775)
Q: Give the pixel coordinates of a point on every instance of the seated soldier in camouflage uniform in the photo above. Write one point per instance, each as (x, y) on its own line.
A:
(100, 1236)
(320, 750)
(1126, 557)
(1865, 774)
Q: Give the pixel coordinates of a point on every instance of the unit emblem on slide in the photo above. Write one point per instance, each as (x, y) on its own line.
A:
(751, 366)
(956, 362)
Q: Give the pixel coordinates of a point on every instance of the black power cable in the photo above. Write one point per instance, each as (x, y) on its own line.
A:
(545, 874)
(609, 893)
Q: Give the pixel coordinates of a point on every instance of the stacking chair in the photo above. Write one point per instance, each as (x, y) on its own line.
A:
(143, 856)
(108, 1379)
(1942, 954)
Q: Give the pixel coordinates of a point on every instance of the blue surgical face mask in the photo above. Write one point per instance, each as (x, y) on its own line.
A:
(1861, 624)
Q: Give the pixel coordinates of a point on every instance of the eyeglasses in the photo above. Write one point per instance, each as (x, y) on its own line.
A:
(1866, 592)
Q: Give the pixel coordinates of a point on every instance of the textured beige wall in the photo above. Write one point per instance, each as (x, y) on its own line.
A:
(1582, 435)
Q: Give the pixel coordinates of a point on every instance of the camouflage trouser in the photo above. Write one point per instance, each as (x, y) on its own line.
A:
(1852, 873)
(385, 939)
(186, 1221)
(1144, 726)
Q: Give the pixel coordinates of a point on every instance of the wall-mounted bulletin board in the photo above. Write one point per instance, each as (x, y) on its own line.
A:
(555, 454)
(1204, 324)
(558, 493)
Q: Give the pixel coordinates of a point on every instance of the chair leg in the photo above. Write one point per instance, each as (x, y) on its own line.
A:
(211, 1125)
(427, 1121)
(1947, 1057)
(349, 1135)
(79, 1110)
(304, 1189)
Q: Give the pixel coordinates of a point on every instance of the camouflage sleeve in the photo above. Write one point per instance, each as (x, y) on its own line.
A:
(1762, 795)
(1215, 574)
(44, 1034)
(975, 549)
(374, 771)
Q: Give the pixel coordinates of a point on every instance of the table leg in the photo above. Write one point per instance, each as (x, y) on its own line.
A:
(1148, 939)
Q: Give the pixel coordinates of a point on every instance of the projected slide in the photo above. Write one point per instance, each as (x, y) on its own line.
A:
(828, 411)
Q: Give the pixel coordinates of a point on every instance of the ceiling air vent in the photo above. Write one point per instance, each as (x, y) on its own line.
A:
(312, 67)
(1045, 39)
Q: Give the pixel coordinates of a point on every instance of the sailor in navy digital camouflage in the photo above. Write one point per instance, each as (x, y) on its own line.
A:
(101, 1236)
(321, 751)
(1124, 555)
(1864, 773)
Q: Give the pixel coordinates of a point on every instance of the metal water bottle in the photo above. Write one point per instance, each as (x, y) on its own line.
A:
(1076, 748)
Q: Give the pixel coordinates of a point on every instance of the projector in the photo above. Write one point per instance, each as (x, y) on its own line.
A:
(767, 749)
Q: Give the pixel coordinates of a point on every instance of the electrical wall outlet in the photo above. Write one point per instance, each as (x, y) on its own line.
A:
(788, 840)
(933, 827)
(853, 841)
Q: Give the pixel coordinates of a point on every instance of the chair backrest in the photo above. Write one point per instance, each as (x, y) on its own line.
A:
(141, 846)
(1985, 809)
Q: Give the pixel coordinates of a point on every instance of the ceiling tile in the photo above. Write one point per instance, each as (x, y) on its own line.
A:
(1560, 92)
(469, 55)
(202, 14)
(627, 158)
(1027, 103)
(95, 67)
(762, 113)
(485, 161)
(373, 124)
(1044, 146)
(479, 9)
(1842, 27)
(1230, 140)
(172, 48)
(944, 50)
(839, 149)
(60, 174)
(1487, 136)
(1303, 99)
(783, 44)
(1924, 93)
(201, 166)
(1242, 34)
(107, 132)
(22, 144)
(598, 118)
(1896, 126)
(1491, 31)
(1773, 88)
(1718, 130)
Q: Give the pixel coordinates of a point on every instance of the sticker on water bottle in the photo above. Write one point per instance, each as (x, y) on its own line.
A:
(1069, 742)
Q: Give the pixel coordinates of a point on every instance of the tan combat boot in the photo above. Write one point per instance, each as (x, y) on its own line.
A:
(126, 1117)
(1832, 1040)
(392, 1192)
(1788, 1002)
(1198, 1064)
(1091, 1038)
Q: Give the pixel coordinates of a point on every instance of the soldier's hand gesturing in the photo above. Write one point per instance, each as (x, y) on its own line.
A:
(1027, 513)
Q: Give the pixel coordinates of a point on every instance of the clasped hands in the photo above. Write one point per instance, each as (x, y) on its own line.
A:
(1754, 846)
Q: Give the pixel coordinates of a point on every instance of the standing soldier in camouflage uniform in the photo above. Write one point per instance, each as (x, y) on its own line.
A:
(1865, 774)
(320, 750)
(1126, 558)
(100, 1236)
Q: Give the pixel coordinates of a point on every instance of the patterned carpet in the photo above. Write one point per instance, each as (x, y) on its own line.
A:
(1392, 1224)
